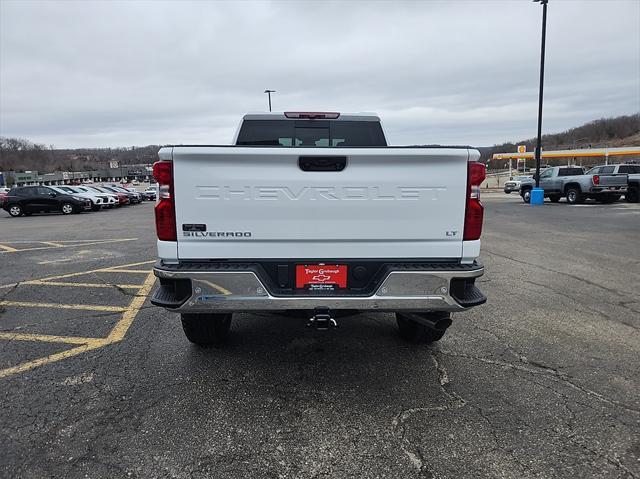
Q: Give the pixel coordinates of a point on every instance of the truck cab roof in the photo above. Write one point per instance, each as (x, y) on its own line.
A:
(308, 115)
(310, 129)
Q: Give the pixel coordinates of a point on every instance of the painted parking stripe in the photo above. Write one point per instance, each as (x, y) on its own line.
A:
(84, 307)
(7, 249)
(48, 338)
(40, 248)
(82, 285)
(20, 368)
(80, 273)
(125, 271)
(120, 329)
(56, 261)
(85, 344)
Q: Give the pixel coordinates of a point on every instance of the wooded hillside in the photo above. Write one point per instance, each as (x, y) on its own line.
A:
(19, 154)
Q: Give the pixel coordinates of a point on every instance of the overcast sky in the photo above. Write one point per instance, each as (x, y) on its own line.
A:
(110, 73)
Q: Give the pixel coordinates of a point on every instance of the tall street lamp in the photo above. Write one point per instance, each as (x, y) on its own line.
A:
(269, 92)
(540, 195)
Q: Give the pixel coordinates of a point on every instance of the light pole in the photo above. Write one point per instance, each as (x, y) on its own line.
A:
(539, 139)
(269, 92)
(575, 142)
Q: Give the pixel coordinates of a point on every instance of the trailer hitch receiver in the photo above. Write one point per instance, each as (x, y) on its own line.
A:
(322, 320)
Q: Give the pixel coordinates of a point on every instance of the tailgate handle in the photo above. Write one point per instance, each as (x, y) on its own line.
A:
(322, 163)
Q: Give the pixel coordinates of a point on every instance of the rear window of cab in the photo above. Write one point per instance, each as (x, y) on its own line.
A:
(570, 172)
(311, 133)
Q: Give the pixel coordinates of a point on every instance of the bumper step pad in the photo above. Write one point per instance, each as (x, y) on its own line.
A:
(472, 296)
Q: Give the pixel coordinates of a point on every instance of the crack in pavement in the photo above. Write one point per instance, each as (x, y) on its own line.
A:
(544, 371)
(569, 275)
(521, 357)
(5, 295)
(412, 451)
(614, 462)
(601, 313)
(496, 440)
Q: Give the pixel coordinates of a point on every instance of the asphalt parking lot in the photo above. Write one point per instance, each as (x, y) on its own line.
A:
(542, 381)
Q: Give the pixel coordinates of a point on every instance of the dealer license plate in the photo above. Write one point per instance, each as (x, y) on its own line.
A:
(321, 277)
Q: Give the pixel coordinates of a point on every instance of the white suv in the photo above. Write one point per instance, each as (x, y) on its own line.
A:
(97, 200)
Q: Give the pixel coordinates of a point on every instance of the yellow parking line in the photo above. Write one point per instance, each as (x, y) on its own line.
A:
(126, 271)
(39, 248)
(99, 270)
(85, 344)
(80, 273)
(51, 243)
(131, 264)
(20, 368)
(120, 329)
(82, 285)
(84, 307)
(56, 261)
(8, 249)
(48, 338)
(68, 241)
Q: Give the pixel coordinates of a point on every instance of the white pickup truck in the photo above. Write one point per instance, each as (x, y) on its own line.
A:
(313, 212)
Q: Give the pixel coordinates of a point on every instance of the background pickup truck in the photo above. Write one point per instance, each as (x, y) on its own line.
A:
(575, 186)
(313, 212)
(625, 169)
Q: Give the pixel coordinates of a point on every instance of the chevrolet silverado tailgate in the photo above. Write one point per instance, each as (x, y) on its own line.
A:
(319, 203)
(612, 180)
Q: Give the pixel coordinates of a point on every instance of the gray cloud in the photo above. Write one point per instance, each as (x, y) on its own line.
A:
(101, 73)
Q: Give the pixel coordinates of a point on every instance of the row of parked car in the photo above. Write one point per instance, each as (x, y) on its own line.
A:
(66, 199)
(605, 184)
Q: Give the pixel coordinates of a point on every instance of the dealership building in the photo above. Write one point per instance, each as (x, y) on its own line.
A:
(127, 173)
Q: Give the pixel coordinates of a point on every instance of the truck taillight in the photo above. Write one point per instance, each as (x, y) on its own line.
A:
(596, 180)
(474, 210)
(165, 208)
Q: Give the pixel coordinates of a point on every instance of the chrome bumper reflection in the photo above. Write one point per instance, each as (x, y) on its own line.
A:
(213, 291)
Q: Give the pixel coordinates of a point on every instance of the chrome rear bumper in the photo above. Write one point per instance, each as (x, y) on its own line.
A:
(219, 290)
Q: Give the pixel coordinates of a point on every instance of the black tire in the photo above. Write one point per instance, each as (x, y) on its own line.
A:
(632, 195)
(554, 198)
(95, 207)
(206, 329)
(15, 210)
(67, 208)
(574, 196)
(508, 192)
(526, 195)
(415, 332)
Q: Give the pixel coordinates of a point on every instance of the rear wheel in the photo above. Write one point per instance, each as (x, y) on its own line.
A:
(554, 198)
(526, 195)
(66, 208)
(206, 329)
(574, 196)
(15, 210)
(632, 195)
(411, 330)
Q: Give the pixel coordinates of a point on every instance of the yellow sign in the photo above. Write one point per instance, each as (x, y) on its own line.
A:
(522, 148)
